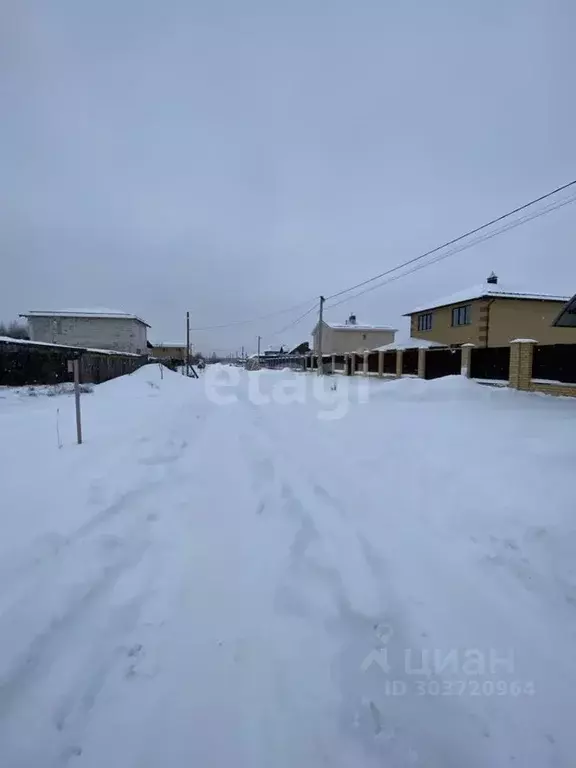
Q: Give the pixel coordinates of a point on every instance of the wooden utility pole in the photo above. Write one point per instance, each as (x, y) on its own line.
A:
(259, 340)
(320, 324)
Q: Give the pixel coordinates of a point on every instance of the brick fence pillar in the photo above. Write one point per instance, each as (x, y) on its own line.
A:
(521, 354)
(466, 362)
(352, 364)
(399, 359)
(380, 363)
(422, 362)
(333, 363)
(365, 363)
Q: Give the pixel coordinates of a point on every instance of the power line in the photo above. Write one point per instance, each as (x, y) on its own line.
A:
(253, 319)
(463, 247)
(295, 322)
(455, 240)
(414, 260)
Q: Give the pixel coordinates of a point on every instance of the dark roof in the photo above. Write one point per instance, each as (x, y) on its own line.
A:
(567, 316)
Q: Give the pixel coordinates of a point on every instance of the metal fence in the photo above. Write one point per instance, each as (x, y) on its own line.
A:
(373, 362)
(490, 363)
(410, 362)
(442, 362)
(555, 362)
(389, 362)
(26, 364)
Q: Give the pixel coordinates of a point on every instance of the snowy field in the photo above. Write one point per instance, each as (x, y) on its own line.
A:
(243, 571)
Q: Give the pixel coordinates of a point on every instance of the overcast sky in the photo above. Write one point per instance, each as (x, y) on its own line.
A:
(237, 157)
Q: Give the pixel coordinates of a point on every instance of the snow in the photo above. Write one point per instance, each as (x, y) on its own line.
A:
(488, 290)
(359, 327)
(11, 340)
(554, 382)
(523, 341)
(99, 312)
(409, 343)
(226, 573)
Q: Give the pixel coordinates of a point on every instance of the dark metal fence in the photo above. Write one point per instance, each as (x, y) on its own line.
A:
(442, 362)
(373, 362)
(410, 361)
(26, 364)
(555, 362)
(295, 362)
(490, 363)
(390, 362)
(340, 362)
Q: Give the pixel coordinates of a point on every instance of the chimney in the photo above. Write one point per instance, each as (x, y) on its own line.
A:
(351, 320)
(492, 279)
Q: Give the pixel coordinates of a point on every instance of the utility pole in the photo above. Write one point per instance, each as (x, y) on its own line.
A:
(259, 340)
(242, 352)
(187, 343)
(320, 324)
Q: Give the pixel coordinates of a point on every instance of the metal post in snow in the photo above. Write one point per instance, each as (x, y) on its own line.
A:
(187, 343)
(76, 367)
(320, 368)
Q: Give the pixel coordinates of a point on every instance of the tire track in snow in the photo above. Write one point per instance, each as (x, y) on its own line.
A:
(337, 580)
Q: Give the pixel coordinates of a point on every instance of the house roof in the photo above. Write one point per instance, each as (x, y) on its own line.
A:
(567, 316)
(358, 327)
(99, 312)
(486, 290)
(170, 345)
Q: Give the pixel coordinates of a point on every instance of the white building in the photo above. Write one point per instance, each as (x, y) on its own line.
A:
(93, 328)
(352, 336)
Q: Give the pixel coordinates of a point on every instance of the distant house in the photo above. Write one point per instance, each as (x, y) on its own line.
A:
(351, 336)
(169, 351)
(93, 328)
(490, 315)
(301, 349)
(567, 316)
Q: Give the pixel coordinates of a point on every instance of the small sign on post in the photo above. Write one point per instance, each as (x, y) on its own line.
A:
(74, 367)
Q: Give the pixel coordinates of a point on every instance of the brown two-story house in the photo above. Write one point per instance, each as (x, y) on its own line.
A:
(491, 315)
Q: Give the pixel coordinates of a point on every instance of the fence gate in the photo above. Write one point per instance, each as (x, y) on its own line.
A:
(490, 363)
(443, 362)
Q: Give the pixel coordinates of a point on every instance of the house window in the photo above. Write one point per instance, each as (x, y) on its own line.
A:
(425, 322)
(462, 315)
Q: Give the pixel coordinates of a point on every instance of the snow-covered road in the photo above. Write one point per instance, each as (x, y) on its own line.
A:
(220, 576)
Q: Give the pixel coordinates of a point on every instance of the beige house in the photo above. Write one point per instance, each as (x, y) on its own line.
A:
(490, 315)
(169, 351)
(351, 336)
(91, 328)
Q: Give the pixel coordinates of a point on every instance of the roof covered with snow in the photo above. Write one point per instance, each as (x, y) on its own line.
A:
(70, 347)
(96, 312)
(409, 343)
(486, 290)
(359, 327)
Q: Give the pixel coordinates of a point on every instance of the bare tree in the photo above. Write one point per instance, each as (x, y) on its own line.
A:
(14, 330)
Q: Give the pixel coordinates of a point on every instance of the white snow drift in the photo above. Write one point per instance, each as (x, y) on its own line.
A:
(251, 585)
